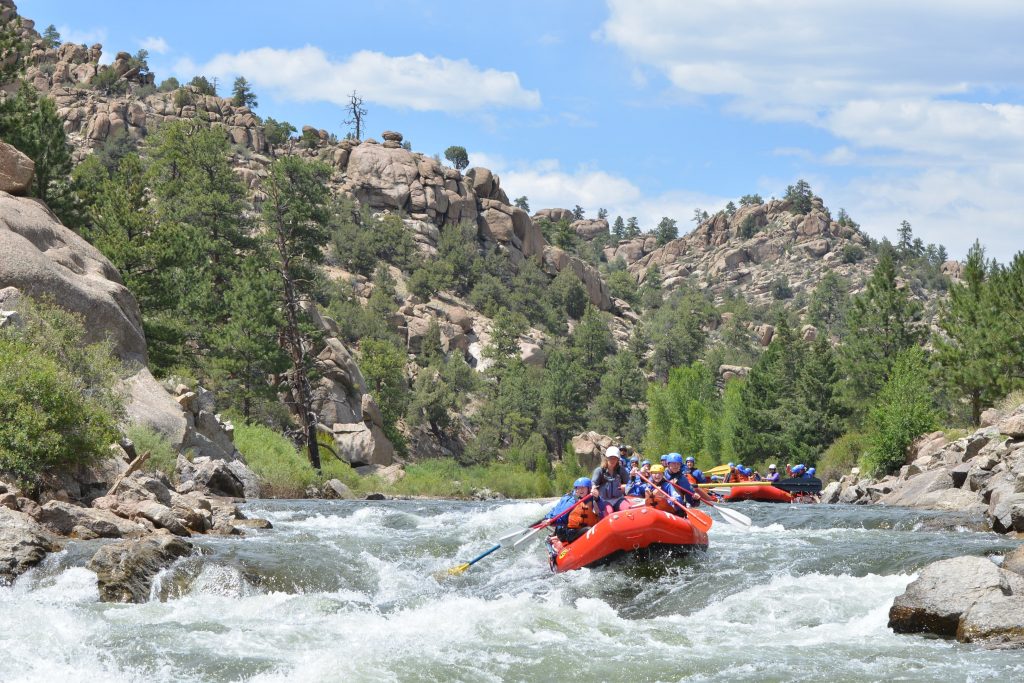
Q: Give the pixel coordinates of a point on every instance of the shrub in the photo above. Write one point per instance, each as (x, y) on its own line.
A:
(183, 98)
(851, 253)
(58, 403)
(1013, 401)
(162, 456)
(843, 455)
(780, 289)
(903, 411)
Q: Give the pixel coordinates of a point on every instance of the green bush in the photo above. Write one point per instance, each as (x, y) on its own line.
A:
(843, 455)
(162, 456)
(902, 412)
(58, 403)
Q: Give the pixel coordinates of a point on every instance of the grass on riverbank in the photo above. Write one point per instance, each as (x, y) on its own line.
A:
(288, 474)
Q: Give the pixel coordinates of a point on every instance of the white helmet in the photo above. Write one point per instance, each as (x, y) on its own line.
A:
(613, 452)
(771, 467)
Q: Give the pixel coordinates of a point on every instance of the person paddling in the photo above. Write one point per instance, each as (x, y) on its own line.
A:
(773, 474)
(674, 474)
(611, 480)
(659, 491)
(576, 523)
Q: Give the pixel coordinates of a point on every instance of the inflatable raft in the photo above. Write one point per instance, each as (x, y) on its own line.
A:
(766, 494)
(637, 528)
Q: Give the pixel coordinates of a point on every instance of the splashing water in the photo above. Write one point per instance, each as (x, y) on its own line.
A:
(345, 591)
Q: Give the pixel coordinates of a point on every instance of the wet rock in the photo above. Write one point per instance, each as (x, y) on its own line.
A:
(161, 516)
(944, 590)
(253, 523)
(125, 570)
(375, 496)
(251, 483)
(997, 621)
(1014, 561)
(23, 544)
(216, 477)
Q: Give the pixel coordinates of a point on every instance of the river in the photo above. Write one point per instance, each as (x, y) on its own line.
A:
(344, 591)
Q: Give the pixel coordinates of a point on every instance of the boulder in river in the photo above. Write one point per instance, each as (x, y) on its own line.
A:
(945, 590)
(23, 544)
(125, 570)
(994, 622)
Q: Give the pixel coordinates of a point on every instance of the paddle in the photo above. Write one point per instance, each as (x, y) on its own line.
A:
(466, 565)
(520, 531)
(731, 516)
(551, 521)
(696, 517)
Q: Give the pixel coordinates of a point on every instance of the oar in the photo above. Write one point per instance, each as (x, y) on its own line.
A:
(696, 517)
(549, 522)
(731, 516)
(521, 531)
(466, 565)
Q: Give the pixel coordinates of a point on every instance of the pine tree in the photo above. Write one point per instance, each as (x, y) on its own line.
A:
(242, 94)
(968, 351)
(632, 228)
(829, 303)
(562, 398)
(666, 231)
(30, 123)
(622, 388)
(881, 322)
(619, 229)
(295, 218)
(591, 344)
(816, 417)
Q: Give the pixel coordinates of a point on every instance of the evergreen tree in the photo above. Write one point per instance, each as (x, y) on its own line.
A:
(523, 203)
(295, 218)
(12, 49)
(562, 398)
(457, 156)
(383, 365)
(578, 213)
(591, 344)
(242, 94)
(277, 132)
(666, 231)
(800, 196)
(829, 303)
(881, 322)
(51, 37)
(30, 123)
(676, 331)
(503, 351)
(619, 228)
(678, 412)
(816, 418)
(632, 228)
(968, 351)
(622, 388)
(1006, 285)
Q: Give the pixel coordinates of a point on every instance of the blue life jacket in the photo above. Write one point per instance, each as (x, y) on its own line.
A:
(563, 504)
(699, 476)
(636, 487)
(681, 480)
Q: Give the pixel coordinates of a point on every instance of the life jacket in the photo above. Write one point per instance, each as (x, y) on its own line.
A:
(609, 484)
(773, 477)
(690, 478)
(660, 502)
(583, 516)
(741, 477)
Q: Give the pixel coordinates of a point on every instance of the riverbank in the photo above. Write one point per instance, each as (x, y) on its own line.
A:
(980, 474)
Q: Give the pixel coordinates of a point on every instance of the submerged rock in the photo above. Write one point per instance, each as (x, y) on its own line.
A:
(125, 570)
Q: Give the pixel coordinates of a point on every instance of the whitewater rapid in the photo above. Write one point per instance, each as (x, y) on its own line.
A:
(345, 591)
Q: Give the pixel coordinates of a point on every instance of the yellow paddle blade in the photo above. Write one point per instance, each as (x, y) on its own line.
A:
(454, 571)
(720, 470)
(459, 569)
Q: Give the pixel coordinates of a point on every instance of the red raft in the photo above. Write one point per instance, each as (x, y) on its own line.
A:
(637, 528)
(766, 494)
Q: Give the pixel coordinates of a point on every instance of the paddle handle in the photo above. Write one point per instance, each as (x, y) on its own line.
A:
(551, 521)
(482, 555)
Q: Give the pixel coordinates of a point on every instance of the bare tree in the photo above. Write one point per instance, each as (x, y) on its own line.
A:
(356, 114)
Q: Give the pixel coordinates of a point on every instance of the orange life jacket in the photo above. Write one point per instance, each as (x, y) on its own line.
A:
(582, 516)
(659, 502)
(692, 480)
(741, 477)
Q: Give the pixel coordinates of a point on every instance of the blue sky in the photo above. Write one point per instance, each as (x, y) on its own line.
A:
(909, 110)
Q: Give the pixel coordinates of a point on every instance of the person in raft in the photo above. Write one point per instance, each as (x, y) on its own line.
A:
(675, 475)
(733, 474)
(692, 473)
(576, 523)
(610, 480)
(798, 471)
(659, 491)
(773, 474)
(809, 474)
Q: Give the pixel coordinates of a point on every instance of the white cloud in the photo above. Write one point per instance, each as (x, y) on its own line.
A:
(415, 81)
(872, 72)
(155, 44)
(79, 37)
(946, 205)
(547, 185)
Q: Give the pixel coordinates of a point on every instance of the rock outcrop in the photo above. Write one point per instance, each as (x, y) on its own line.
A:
(16, 170)
(125, 570)
(42, 258)
(969, 598)
(589, 447)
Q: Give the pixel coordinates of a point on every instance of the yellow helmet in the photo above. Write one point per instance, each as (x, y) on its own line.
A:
(657, 469)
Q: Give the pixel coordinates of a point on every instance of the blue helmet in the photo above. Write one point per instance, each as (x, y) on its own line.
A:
(664, 458)
(675, 457)
(798, 469)
(582, 481)
(731, 465)
(811, 471)
(645, 462)
(634, 459)
(745, 470)
(690, 458)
